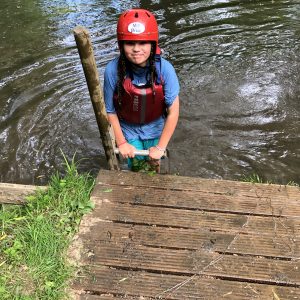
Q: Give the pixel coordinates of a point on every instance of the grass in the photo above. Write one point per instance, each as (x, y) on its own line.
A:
(34, 238)
(255, 178)
(141, 165)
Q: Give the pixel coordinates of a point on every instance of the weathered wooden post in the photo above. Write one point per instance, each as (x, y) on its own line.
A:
(86, 53)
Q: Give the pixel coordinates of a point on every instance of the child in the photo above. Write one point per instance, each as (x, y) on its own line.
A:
(141, 91)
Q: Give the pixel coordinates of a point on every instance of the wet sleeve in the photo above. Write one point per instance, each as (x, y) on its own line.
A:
(110, 83)
(171, 83)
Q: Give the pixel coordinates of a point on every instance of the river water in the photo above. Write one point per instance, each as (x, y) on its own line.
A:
(238, 64)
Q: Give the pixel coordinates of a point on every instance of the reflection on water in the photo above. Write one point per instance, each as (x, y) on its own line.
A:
(238, 66)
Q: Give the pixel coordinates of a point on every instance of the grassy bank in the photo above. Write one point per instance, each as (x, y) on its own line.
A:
(34, 238)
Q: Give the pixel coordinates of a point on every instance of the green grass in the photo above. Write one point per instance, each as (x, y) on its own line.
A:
(142, 166)
(34, 238)
(255, 178)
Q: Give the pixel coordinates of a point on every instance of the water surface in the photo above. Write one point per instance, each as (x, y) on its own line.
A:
(238, 65)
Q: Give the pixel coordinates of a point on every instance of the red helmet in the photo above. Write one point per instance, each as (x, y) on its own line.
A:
(137, 25)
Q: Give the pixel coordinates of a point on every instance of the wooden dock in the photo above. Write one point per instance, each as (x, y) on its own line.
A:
(172, 237)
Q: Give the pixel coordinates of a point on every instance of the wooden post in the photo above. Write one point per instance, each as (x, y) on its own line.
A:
(86, 53)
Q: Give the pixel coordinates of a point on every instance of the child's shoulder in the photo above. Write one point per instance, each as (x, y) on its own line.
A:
(164, 60)
(113, 63)
(112, 66)
(166, 65)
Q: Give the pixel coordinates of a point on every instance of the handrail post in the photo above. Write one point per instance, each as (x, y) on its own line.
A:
(86, 53)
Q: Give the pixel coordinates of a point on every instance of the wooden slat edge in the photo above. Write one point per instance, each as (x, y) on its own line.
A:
(185, 262)
(11, 193)
(195, 200)
(105, 281)
(197, 184)
(181, 218)
(279, 247)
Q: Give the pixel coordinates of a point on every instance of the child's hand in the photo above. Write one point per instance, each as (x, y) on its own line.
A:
(127, 150)
(156, 152)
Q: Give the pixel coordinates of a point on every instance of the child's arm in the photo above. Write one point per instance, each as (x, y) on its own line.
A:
(170, 125)
(126, 149)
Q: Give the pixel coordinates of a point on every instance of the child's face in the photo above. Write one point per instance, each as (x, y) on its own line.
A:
(137, 52)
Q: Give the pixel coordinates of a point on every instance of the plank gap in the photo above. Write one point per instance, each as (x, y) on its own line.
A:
(103, 293)
(225, 253)
(210, 230)
(230, 212)
(149, 225)
(270, 257)
(113, 295)
(256, 281)
(204, 274)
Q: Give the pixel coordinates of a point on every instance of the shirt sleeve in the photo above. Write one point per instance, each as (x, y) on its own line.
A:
(171, 83)
(110, 84)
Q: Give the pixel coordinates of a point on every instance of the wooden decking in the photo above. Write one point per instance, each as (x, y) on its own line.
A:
(171, 237)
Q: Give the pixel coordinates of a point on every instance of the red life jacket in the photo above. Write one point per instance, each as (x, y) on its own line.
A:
(138, 104)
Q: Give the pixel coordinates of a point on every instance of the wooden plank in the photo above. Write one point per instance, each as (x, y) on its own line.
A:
(168, 237)
(109, 297)
(16, 193)
(194, 239)
(135, 284)
(197, 200)
(181, 218)
(101, 297)
(130, 256)
(180, 183)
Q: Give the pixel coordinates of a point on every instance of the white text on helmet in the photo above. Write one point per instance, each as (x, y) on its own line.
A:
(136, 28)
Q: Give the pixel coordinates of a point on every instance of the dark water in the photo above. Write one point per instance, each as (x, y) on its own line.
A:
(238, 64)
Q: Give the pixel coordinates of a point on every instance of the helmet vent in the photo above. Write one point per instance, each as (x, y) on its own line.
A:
(147, 14)
(136, 15)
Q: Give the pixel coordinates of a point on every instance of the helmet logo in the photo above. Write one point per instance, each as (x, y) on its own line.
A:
(136, 27)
